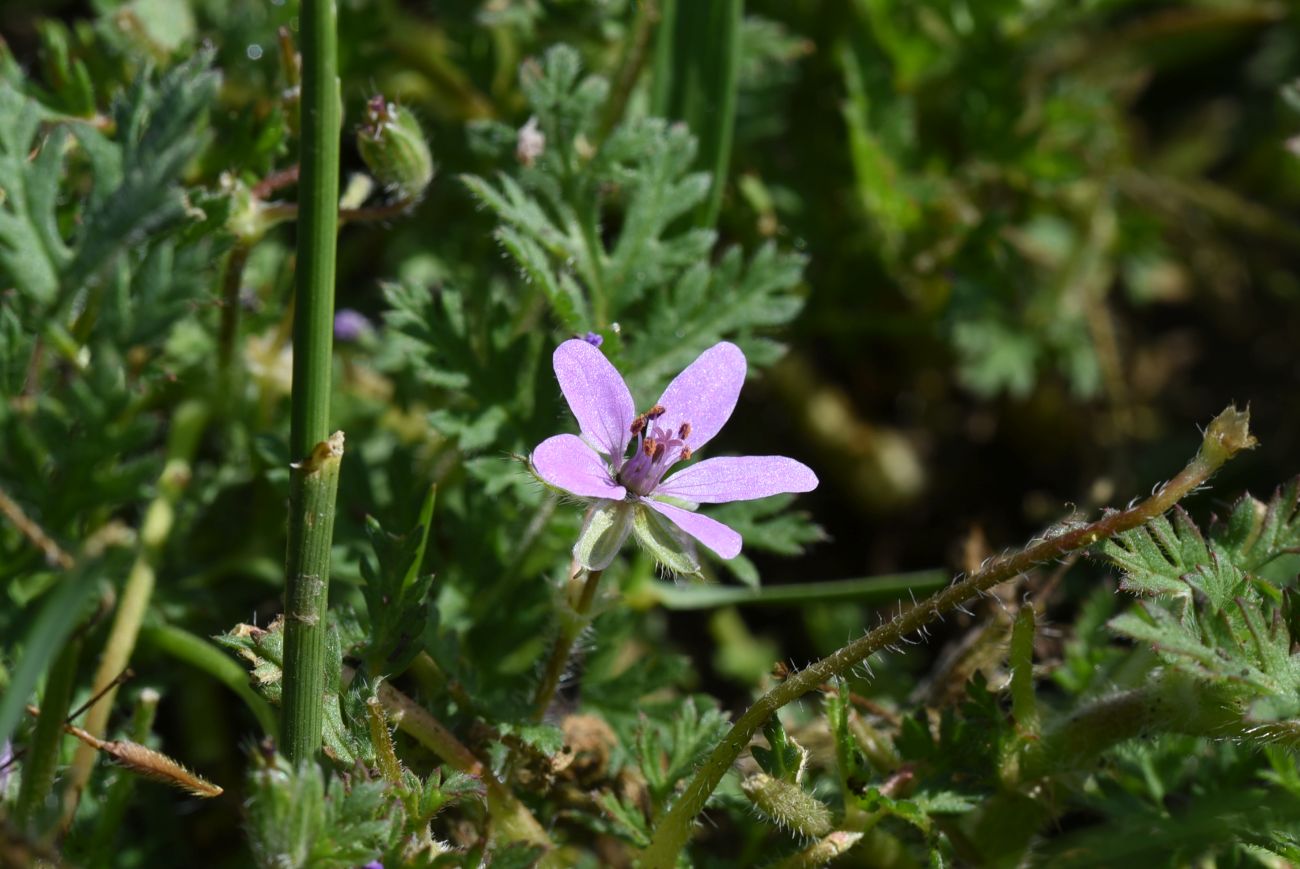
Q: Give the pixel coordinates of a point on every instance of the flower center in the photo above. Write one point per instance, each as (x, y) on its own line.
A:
(657, 449)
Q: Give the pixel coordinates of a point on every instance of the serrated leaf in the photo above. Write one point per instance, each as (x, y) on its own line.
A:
(395, 591)
(1155, 557)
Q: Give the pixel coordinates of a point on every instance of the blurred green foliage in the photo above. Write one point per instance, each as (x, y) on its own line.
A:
(987, 258)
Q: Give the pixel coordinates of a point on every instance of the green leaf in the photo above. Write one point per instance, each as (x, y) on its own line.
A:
(396, 592)
(1156, 556)
(784, 758)
(668, 751)
(45, 636)
(32, 253)
(262, 650)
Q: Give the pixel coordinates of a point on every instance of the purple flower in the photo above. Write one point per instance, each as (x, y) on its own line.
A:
(595, 339)
(350, 325)
(633, 493)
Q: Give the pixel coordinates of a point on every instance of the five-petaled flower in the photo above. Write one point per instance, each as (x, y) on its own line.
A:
(632, 493)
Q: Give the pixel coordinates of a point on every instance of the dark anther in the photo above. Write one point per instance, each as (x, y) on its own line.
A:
(685, 431)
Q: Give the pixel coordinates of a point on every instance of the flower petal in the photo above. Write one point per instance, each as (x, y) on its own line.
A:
(712, 533)
(569, 463)
(738, 478)
(606, 527)
(705, 394)
(597, 396)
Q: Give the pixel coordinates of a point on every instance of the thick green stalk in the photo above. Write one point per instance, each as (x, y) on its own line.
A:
(43, 752)
(313, 325)
(182, 441)
(312, 490)
(1227, 435)
(314, 482)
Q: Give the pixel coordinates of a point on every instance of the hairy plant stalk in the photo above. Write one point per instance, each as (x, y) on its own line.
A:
(313, 488)
(570, 627)
(314, 482)
(1170, 702)
(511, 819)
(1226, 436)
(182, 441)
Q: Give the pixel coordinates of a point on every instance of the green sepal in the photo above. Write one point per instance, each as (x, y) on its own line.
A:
(394, 149)
(665, 542)
(606, 527)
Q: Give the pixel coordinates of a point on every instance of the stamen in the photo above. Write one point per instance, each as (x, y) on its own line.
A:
(685, 431)
(658, 451)
(686, 453)
(649, 447)
(638, 424)
(655, 412)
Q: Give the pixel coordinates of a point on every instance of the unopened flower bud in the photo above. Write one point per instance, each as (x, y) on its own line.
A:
(394, 149)
(788, 805)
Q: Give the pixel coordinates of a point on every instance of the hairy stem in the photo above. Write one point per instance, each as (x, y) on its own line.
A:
(182, 441)
(511, 818)
(1227, 435)
(570, 628)
(314, 483)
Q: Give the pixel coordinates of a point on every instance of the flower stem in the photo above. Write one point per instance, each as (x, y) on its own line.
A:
(313, 327)
(187, 425)
(570, 628)
(314, 482)
(1227, 435)
(312, 490)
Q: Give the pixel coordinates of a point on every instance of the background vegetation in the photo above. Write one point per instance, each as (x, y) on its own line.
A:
(992, 264)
